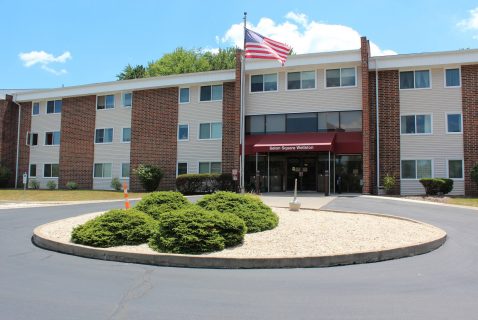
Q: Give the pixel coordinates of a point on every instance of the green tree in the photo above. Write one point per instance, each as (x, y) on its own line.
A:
(130, 72)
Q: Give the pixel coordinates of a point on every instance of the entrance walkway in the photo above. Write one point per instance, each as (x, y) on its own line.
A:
(308, 200)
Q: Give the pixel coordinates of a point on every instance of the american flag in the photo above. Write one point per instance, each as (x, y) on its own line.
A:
(260, 47)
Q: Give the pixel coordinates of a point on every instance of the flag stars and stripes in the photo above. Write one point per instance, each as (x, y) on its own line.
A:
(260, 47)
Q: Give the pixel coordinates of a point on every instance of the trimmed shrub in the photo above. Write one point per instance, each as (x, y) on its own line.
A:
(388, 183)
(72, 185)
(195, 230)
(115, 228)
(116, 184)
(5, 174)
(34, 184)
(204, 183)
(434, 186)
(51, 185)
(149, 176)
(250, 208)
(157, 203)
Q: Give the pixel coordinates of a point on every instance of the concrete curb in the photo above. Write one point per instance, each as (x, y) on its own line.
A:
(422, 202)
(42, 240)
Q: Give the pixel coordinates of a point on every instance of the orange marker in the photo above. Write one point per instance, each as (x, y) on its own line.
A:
(125, 191)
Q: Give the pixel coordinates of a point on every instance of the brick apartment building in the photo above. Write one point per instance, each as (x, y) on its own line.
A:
(316, 114)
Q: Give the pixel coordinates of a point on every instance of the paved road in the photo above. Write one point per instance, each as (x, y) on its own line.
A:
(39, 284)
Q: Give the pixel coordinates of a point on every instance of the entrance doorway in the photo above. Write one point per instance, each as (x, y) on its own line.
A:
(304, 170)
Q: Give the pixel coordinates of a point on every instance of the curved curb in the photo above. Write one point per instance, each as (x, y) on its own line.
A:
(195, 261)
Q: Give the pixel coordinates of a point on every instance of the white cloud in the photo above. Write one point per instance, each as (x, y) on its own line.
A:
(303, 35)
(470, 23)
(44, 59)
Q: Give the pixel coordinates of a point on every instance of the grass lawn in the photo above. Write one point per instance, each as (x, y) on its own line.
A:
(63, 195)
(464, 201)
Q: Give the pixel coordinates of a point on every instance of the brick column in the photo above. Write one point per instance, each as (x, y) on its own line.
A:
(469, 89)
(231, 117)
(154, 123)
(366, 156)
(78, 117)
(8, 136)
(25, 127)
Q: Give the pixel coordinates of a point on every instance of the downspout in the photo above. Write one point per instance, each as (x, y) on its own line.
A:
(18, 141)
(377, 126)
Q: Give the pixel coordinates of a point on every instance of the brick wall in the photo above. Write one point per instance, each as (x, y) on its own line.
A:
(231, 117)
(25, 127)
(366, 157)
(8, 134)
(78, 116)
(154, 122)
(469, 88)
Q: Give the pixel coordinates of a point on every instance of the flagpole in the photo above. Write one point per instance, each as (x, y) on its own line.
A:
(242, 133)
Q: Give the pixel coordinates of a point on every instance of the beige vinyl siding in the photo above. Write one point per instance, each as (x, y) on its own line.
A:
(439, 146)
(42, 154)
(116, 152)
(308, 100)
(193, 113)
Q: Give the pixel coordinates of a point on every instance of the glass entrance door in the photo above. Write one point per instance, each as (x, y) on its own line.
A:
(304, 170)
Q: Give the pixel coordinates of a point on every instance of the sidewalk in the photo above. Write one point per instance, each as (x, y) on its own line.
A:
(308, 200)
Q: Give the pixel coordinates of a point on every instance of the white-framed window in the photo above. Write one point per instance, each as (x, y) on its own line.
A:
(105, 102)
(340, 77)
(416, 124)
(102, 170)
(454, 123)
(416, 79)
(33, 170)
(416, 169)
(455, 168)
(32, 139)
(126, 99)
(125, 170)
(210, 93)
(126, 136)
(210, 130)
(183, 95)
(53, 106)
(263, 82)
(52, 138)
(183, 132)
(104, 135)
(51, 170)
(210, 167)
(182, 168)
(35, 108)
(452, 78)
(301, 80)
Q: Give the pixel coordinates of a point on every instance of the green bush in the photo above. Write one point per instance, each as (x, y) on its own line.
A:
(157, 203)
(250, 208)
(149, 176)
(34, 184)
(72, 185)
(434, 186)
(204, 183)
(116, 184)
(195, 230)
(51, 185)
(5, 175)
(115, 228)
(388, 183)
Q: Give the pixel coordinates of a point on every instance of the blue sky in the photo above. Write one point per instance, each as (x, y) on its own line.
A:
(53, 43)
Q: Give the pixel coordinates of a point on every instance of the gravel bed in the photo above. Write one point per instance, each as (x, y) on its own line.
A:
(303, 233)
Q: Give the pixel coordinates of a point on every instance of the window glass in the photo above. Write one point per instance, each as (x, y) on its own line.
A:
(257, 84)
(293, 80)
(328, 121)
(275, 123)
(102, 170)
(104, 135)
(332, 78)
(408, 169)
(47, 170)
(53, 106)
(302, 122)
(127, 99)
(351, 120)
(32, 139)
(55, 169)
(348, 77)
(422, 79)
(205, 94)
(204, 167)
(183, 132)
(205, 131)
(424, 169)
(100, 102)
(308, 79)
(454, 122)
(255, 125)
(58, 104)
(33, 170)
(452, 77)
(215, 167)
(126, 134)
(125, 170)
(217, 92)
(183, 95)
(110, 101)
(52, 138)
(406, 80)
(408, 124)
(182, 168)
(455, 169)
(216, 130)
(36, 108)
(270, 82)
(50, 170)
(424, 124)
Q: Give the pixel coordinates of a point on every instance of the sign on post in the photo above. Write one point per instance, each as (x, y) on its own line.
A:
(235, 174)
(25, 179)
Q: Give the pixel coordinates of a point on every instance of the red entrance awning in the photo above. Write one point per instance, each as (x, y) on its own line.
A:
(290, 142)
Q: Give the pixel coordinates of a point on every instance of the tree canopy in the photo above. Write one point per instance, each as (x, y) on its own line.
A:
(182, 61)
